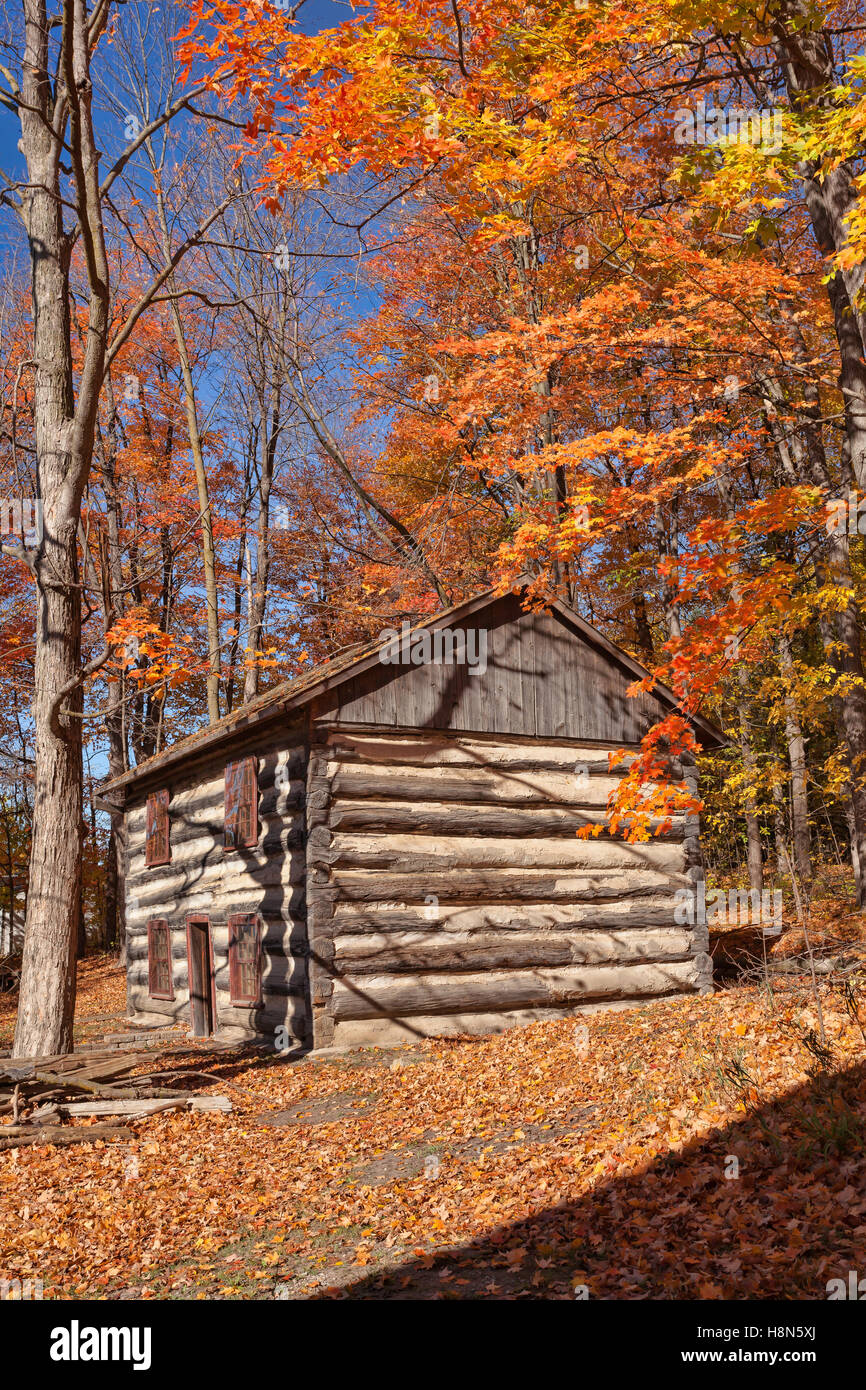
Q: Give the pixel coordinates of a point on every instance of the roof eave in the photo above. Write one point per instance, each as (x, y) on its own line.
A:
(280, 706)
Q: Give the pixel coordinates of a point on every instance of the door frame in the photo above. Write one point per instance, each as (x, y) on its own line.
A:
(201, 919)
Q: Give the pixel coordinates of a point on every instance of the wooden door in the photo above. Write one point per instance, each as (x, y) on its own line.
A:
(201, 1000)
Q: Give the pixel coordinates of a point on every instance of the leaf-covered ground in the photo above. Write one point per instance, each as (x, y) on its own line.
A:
(699, 1148)
(100, 1001)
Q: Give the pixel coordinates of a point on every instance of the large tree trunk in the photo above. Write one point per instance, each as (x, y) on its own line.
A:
(64, 431)
(808, 69)
(803, 460)
(56, 93)
(47, 992)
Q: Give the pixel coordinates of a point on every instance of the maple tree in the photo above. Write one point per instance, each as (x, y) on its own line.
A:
(643, 336)
(359, 323)
(568, 291)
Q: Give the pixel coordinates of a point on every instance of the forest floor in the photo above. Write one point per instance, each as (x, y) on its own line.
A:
(701, 1148)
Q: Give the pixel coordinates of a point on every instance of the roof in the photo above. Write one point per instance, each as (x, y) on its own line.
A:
(294, 695)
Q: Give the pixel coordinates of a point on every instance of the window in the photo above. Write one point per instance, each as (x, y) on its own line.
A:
(245, 968)
(241, 804)
(159, 975)
(157, 847)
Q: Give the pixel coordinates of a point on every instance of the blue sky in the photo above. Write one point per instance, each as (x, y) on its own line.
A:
(314, 16)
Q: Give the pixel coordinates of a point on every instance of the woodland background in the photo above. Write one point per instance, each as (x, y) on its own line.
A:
(401, 309)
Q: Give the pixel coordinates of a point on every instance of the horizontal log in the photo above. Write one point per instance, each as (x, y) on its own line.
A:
(506, 989)
(459, 784)
(63, 1136)
(429, 750)
(510, 885)
(152, 1012)
(279, 934)
(275, 1007)
(281, 898)
(641, 911)
(145, 1107)
(137, 975)
(288, 1011)
(276, 829)
(388, 1032)
(192, 801)
(223, 873)
(399, 952)
(438, 818)
(422, 854)
(280, 975)
(209, 868)
(290, 942)
(205, 799)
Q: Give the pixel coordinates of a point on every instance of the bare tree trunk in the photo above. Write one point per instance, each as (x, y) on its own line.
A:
(81, 940)
(803, 460)
(53, 97)
(643, 628)
(207, 541)
(807, 66)
(10, 877)
(64, 442)
(270, 434)
(755, 856)
(797, 758)
(114, 913)
(854, 847)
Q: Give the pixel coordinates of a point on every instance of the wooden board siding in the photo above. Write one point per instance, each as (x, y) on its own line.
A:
(267, 878)
(544, 679)
(447, 890)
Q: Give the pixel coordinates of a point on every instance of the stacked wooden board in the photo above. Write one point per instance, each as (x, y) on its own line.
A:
(38, 1093)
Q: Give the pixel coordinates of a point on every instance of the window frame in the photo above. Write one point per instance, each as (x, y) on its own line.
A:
(158, 804)
(246, 770)
(155, 926)
(235, 996)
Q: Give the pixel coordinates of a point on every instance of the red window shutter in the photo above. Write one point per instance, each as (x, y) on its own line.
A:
(245, 959)
(157, 835)
(249, 821)
(231, 805)
(241, 804)
(159, 972)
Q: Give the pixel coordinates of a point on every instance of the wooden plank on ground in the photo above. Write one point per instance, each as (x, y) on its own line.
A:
(145, 1107)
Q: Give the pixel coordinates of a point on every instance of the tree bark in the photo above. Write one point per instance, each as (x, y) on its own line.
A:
(754, 851)
(207, 541)
(803, 460)
(64, 431)
(270, 433)
(797, 758)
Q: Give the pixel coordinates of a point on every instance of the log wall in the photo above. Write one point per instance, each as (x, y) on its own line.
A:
(267, 878)
(447, 891)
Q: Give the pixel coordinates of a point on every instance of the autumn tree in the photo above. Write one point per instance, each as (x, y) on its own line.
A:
(63, 201)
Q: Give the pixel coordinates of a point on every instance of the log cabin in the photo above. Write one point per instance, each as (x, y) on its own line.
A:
(384, 848)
